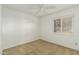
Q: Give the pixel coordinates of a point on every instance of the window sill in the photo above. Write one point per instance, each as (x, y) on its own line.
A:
(64, 33)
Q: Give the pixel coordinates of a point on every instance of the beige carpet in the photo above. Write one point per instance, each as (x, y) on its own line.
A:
(39, 47)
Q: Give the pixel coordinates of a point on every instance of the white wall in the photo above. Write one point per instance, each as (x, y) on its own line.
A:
(0, 30)
(18, 28)
(47, 28)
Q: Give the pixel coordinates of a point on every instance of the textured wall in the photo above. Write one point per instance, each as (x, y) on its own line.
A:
(0, 30)
(68, 40)
(18, 28)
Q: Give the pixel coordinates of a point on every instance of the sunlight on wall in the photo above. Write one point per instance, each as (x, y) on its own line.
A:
(27, 26)
(18, 28)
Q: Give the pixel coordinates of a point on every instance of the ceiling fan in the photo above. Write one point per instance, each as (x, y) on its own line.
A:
(43, 7)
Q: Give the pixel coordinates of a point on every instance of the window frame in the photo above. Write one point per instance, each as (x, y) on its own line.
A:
(62, 18)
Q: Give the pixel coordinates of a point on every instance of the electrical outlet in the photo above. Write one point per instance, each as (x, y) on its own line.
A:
(76, 43)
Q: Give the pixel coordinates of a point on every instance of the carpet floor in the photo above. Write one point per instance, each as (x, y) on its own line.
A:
(39, 47)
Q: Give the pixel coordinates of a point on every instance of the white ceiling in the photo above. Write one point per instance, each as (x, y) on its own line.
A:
(39, 9)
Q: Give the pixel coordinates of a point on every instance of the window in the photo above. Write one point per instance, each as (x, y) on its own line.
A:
(57, 25)
(63, 25)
